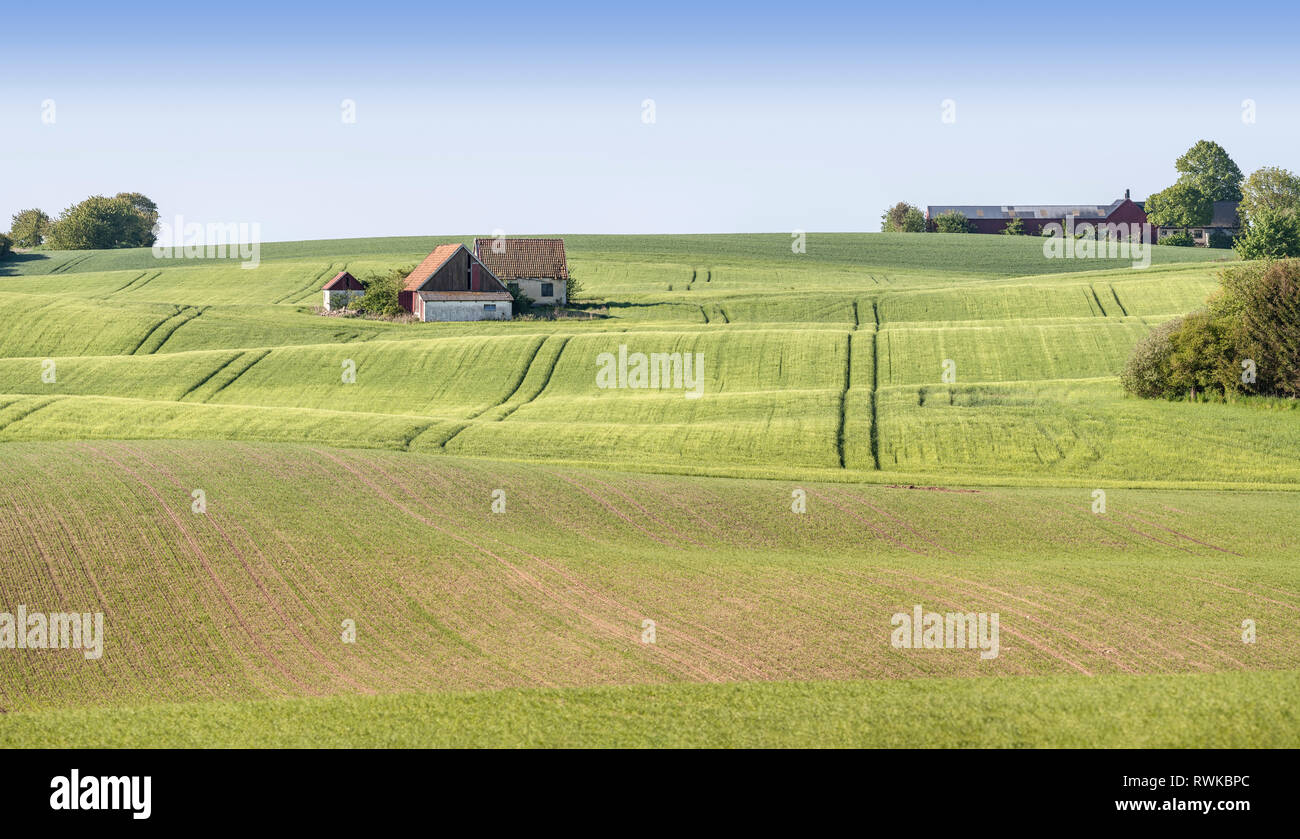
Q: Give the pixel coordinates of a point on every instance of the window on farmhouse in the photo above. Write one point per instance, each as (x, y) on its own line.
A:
(548, 289)
(489, 307)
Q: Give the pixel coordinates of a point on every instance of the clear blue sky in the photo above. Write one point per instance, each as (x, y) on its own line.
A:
(768, 116)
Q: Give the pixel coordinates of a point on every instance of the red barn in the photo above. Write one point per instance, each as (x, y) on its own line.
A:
(1034, 217)
(451, 284)
(339, 291)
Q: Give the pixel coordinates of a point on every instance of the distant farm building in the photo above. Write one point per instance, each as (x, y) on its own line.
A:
(451, 284)
(535, 267)
(341, 290)
(1225, 221)
(1034, 217)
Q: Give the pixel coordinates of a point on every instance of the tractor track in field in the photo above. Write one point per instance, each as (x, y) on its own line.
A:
(875, 385)
(203, 381)
(550, 372)
(301, 291)
(519, 380)
(65, 267)
(146, 277)
(1097, 300)
(27, 413)
(172, 331)
(1118, 302)
(182, 316)
(262, 354)
(1181, 535)
(844, 397)
(123, 287)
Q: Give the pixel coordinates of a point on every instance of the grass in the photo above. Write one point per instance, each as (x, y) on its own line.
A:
(1126, 711)
(370, 501)
(244, 601)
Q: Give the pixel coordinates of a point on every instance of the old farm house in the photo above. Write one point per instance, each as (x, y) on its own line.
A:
(451, 284)
(535, 267)
(341, 290)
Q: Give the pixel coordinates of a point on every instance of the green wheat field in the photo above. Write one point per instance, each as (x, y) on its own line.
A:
(128, 383)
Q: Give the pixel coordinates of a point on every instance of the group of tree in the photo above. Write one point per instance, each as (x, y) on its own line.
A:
(1246, 341)
(1268, 210)
(902, 218)
(127, 220)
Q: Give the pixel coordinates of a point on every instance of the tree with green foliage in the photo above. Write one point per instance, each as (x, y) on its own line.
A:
(6, 245)
(574, 287)
(1253, 318)
(1270, 234)
(902, 218)
(952, 222)
(1147, 372)
(1261, 303)
(1207, 167)
(381, 295)
(123, 221)
(148, 211)
(1015, 227)
(1181, 205)
(29, 228)
(1203, 356)
(1269, 188)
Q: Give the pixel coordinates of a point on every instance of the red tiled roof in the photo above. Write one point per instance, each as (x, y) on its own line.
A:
(542, 258)
(429, 266)
(343, 280)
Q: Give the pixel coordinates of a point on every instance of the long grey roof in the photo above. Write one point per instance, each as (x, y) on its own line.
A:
(1026, 211)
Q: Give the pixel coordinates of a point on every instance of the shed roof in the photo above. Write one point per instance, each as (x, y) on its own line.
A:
(430, 266)
(343, 280)
(517, 258)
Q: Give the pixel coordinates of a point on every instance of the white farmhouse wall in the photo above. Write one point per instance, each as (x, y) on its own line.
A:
(446, 310)
(532, 286)
(334, 299)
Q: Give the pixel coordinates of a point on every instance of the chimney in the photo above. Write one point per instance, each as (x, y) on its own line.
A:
(1126, 195)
